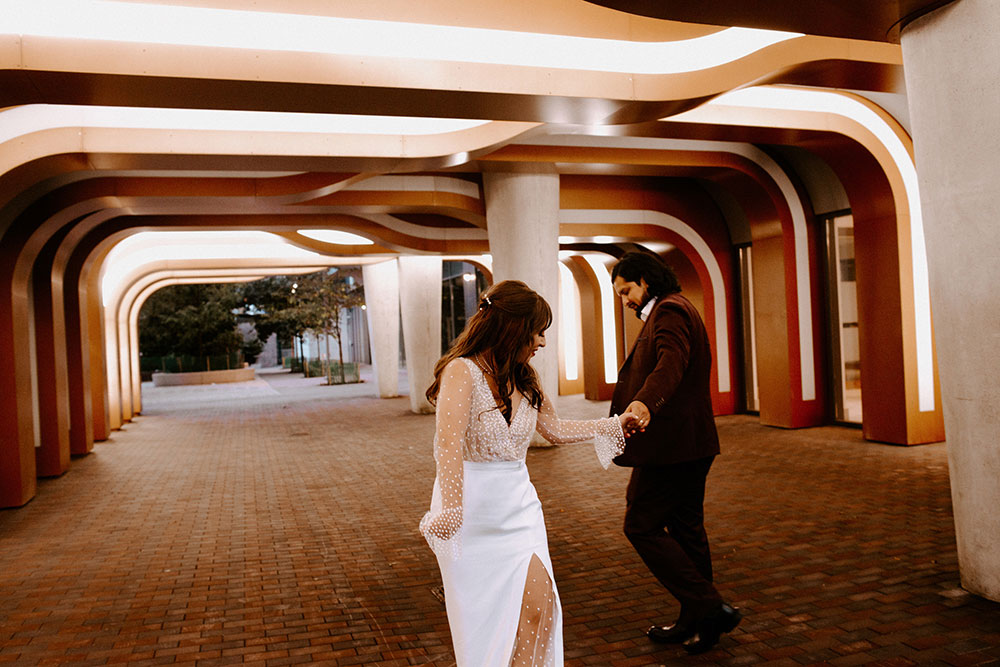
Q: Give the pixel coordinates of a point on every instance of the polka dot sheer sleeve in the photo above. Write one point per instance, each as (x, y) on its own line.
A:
(609, 440)
(442, 525)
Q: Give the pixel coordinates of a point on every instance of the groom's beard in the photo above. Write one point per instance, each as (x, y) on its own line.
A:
(638, 311)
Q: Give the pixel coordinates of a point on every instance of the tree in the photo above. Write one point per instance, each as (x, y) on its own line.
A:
(269, 303)
(252, 345)
(292, 305)
(321, 299)
(264, 300)
(192, 320)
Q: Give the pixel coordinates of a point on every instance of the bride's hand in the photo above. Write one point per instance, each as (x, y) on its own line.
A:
(630, 423)
(443, 525)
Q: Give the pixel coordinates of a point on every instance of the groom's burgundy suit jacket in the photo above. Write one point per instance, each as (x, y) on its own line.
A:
(669, 370)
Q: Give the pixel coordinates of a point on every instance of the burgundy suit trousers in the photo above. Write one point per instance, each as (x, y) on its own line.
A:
(664, 521)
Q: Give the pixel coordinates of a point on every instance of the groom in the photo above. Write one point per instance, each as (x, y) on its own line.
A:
(664, 382)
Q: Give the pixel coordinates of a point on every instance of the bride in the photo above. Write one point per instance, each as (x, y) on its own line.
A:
(485, 523)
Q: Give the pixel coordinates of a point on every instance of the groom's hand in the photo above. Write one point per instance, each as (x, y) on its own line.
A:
(640, 412)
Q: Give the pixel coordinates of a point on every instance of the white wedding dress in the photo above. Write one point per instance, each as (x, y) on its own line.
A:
(486, 526)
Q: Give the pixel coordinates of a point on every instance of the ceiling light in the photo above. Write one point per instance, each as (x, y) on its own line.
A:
(273, 31)
(335, 236)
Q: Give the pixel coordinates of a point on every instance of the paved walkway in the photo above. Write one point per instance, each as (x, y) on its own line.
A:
(275, 522)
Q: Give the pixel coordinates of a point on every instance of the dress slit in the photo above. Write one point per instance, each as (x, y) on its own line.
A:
(533, 642)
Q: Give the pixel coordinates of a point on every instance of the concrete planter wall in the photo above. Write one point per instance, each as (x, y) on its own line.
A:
(203, 377)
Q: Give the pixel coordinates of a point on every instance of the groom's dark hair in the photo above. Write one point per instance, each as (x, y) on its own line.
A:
(637, 264)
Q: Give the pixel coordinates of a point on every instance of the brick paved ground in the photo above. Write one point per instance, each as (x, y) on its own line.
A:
(275, 522)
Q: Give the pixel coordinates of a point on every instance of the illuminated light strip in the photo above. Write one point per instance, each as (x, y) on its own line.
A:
(639, 217)
(798, 99)
(266, 31)
(28, 118)
(569, 316)
(456, 186)
(148, 247)
(335, 236)
(607, 291)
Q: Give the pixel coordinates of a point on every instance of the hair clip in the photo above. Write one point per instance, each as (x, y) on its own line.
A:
(485, 302)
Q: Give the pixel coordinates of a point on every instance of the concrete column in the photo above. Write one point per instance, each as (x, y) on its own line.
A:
(522, 219)
(951, 72)
(420, 305)
(382, 306)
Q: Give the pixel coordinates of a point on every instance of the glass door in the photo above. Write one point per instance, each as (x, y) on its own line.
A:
(843, 300)
(749, 331)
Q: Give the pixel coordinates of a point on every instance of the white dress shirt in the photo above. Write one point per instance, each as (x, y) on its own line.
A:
(647, 309)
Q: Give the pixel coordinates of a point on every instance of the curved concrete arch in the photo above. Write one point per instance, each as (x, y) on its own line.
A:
(118, 366)
(119, 347)
(887, 142)
(483, 262)
(23, 143)
(117, 373)
(133, 300)
(789, 202)
(21, 273)
(708, 295)
(785, 406)
(124, 287)
(33, 131)
(139, 252)
(24, 260)
(389, 239)
(95, 205)
(417, 231)
(357, 202)
(54, 158)
(901, 421)
(126, 350)
(896, 155)
(130, 302)
(703, 253)
(419, 183)
(598, 320)
(244, 74)
(455, 197)
(388, 232)
(191, 196)
(570, 334)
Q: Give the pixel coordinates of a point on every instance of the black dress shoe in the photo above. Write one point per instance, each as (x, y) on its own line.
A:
(710, 628)
(677, 633)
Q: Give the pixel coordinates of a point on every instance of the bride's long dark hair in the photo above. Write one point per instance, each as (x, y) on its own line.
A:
(510, 314)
